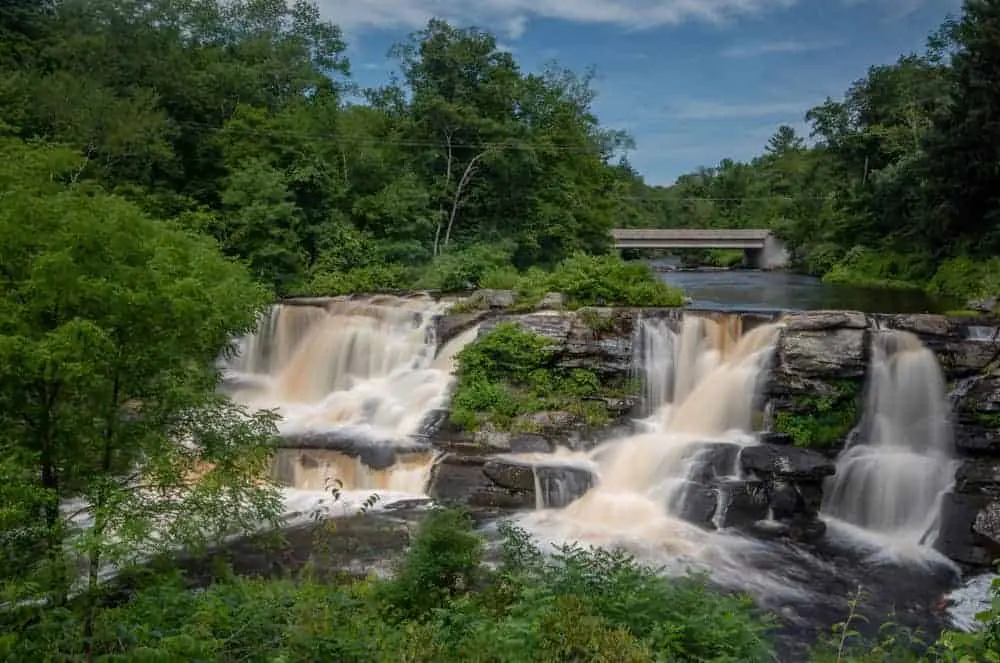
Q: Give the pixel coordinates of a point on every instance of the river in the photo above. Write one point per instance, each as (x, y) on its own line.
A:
(752, 290)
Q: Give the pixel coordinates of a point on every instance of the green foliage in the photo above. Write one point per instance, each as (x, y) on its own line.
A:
(821, 422)
(608, 280)
(900, 180)
(465, 269)
(512, 371)
(110, 322)
(444, 605)
(967, 279)
(873, 268)
(238, 112)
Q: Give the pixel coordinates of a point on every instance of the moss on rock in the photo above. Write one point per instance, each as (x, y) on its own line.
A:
(821, 423)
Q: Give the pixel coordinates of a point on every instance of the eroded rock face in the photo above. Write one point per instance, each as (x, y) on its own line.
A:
(376, 454)
(807, 360)
(508, 483)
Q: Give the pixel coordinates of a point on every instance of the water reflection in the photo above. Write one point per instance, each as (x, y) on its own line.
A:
(749, 290)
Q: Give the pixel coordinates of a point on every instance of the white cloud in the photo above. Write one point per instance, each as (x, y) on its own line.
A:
(769, 47)
(512, 16)
(712, 110)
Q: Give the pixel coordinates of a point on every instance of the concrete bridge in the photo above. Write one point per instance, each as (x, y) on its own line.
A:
(761, 249)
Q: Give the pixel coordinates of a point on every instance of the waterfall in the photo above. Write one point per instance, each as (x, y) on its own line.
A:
(366, 367)
(890, 481)
(708, 382)
(359, 372)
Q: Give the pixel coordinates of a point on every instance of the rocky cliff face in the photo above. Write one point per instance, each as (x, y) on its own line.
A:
(813, 398)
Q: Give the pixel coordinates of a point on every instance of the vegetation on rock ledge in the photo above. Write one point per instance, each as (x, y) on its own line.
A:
(821, 422)
(512, 372)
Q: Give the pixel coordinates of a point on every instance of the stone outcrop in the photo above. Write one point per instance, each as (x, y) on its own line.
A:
(814, 396)
(763, 489)
(508, 482)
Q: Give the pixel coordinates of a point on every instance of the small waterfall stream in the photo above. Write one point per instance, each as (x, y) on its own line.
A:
(890, 480)
(347, 375)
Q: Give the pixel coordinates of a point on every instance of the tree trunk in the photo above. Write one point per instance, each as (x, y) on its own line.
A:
(465, 179)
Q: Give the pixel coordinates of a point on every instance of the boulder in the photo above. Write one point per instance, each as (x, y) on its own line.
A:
(825, 321)
(695, 503)
(977, 414)
(375, 453)
(450, 325)
(508, 483)
(460, 478)
(742, 503)
(961, 536)
(807, 361)
(552, 301)
(769, 461)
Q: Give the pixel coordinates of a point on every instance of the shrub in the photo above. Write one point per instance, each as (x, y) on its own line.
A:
(464, 269)
(512, 371)
(866, 267)
(607, 280)
(966, 279)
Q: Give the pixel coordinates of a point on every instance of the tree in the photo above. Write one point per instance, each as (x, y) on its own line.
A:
(110, 323)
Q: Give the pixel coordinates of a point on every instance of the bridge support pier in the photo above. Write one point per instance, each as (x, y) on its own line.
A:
(773, 255)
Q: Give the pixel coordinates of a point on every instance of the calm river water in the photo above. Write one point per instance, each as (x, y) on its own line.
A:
(782, 291)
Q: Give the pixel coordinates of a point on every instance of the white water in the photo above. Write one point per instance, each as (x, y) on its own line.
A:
(363, 371)
(888, 485)
(362, 367)
(708, 380)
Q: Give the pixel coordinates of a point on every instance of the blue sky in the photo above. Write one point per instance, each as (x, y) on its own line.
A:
(694, 81)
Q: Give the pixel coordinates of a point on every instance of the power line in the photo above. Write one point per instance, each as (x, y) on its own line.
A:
(358, 138)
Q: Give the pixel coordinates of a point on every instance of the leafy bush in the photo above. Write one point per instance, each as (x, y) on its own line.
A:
(443, 605)
(373, 278)
(464, 269)
(512, 371)
(606, 280)
(866, 267)
(965, 279)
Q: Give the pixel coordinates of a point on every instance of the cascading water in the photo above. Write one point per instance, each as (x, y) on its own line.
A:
(365, 367)
(890, 481)
(353, 372)
(707, 374)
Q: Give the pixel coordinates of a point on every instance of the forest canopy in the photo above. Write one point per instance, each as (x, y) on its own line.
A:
(899, 186)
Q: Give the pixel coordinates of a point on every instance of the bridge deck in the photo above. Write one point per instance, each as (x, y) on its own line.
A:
(666, 238)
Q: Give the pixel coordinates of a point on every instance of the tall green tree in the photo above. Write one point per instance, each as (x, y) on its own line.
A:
(110, 323)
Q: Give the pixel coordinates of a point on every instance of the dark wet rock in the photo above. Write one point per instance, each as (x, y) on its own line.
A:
(960, 354)
(450, 325)
(742, 503)
(784, 462)
(507, 483)
(377, 454)
(460, 478)
(433, 421)
(562, 484)
(780, 439)
(559, 483)
(958, 538)
(977, 414)
(979, 477)
(696, 504)
(512, 475)
(713, 460)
